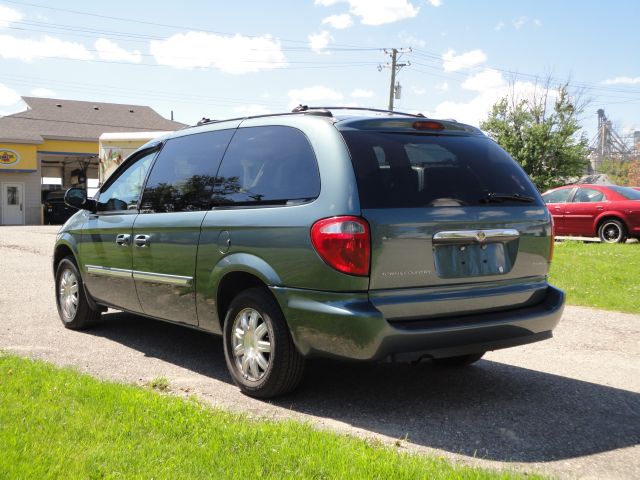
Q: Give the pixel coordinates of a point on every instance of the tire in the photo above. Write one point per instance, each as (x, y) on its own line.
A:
(612, 231)
(460, 361)
(258, 348)
(71, 300)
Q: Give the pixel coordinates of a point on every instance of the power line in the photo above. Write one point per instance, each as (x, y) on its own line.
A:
(165, 25)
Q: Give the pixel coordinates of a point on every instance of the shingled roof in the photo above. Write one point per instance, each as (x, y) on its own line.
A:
(75, 120)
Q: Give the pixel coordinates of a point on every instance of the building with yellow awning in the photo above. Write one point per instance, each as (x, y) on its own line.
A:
(53, 145)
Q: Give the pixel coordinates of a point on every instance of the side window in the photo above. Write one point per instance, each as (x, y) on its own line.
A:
(558, 196)
(124, 192)
(272, 165)
(587, 195)
(183, 176)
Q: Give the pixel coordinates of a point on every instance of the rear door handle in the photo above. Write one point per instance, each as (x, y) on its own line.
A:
(123, 239)
(142, 240)
(600, 208)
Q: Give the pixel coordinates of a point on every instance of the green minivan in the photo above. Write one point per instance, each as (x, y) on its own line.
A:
(346, 233)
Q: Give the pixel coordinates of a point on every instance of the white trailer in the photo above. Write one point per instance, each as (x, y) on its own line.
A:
(116, 147)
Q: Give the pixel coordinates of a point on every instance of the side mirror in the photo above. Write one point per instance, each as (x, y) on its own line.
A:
(77, 198)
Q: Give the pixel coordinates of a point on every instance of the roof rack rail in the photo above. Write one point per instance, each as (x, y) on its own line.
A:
(305, 108)
(319, 112)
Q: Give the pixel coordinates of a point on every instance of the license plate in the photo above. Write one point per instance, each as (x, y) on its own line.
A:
(472, 260)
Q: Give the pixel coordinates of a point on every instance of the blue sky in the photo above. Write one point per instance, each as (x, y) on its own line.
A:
(227, 59)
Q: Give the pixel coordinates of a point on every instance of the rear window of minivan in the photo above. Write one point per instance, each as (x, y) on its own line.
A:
(403, 170)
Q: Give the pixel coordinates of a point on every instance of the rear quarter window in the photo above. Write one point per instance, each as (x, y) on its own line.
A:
(272, 165)
(422, 170)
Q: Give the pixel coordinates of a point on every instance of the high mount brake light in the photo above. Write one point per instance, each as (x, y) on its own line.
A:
(344, 243)
(428, 125)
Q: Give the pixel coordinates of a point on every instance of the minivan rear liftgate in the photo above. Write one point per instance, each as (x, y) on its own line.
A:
(456, 226)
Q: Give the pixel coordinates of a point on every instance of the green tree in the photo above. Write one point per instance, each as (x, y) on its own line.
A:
(633, 175)
(545, 140)
(617, 171)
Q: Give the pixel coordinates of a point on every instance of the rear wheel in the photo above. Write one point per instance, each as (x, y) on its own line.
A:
(459, 361)
(73, 307)
(612, 231)
(258, 348)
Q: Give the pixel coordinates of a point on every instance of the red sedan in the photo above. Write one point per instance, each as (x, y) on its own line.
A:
(607, 211)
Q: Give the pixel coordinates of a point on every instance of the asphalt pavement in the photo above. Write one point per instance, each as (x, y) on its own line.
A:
(568, 407)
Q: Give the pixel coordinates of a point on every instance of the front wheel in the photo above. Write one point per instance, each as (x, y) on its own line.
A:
(612, 231)
(73, 307)
(258, 348)
(460, 361)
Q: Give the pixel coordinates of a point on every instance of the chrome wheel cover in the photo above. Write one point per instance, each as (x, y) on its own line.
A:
(611, 233)
(68, 295)
(251, 344)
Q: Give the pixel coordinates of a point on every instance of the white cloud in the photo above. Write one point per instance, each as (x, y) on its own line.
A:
(309, 95)
(361, 93)
(108, 50)
(318, 42)
(411, 40)
(237, 54)
(250, 110)
(418, 90)
(339, 22)
(8, 96)
(43, 92)
(453, 62)
(27, 49)
(622, 81)
(435, 3)
(519, 22)
(487, 79)
(537, 22)
(442, 87)
(499, 26)
(490, 86)
(9, 15)
(381, 12)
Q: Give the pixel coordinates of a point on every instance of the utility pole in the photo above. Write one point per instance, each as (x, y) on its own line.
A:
(395, 67)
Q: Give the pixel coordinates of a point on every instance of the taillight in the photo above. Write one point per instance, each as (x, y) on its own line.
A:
(343, 243)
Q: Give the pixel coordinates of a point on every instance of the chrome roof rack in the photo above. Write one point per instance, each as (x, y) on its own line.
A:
(305, 109)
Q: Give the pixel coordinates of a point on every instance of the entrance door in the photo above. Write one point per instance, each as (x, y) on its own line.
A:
(12, 203)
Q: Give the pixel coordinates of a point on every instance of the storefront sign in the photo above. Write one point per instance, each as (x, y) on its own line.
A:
(9, 157)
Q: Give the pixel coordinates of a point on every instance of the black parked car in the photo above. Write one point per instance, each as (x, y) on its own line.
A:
(55, 210)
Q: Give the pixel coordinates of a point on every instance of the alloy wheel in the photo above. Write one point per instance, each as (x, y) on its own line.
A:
(68, 294)
(611, 233)
(251, 344)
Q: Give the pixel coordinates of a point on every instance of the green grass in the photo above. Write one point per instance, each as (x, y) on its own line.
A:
(598, 275)
(159, 383)
(57, 423)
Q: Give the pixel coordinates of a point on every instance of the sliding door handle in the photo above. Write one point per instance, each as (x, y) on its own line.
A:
(142, 240)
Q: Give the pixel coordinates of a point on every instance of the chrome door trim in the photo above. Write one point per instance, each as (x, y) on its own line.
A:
(177, 280)
(108, 271)
(479, 236)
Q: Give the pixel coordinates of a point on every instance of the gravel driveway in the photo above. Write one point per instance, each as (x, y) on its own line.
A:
(569, 407)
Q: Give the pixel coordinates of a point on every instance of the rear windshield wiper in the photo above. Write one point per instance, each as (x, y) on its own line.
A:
(505, 197)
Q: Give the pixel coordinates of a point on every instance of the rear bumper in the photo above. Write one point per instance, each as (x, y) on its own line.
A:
(348, 325)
